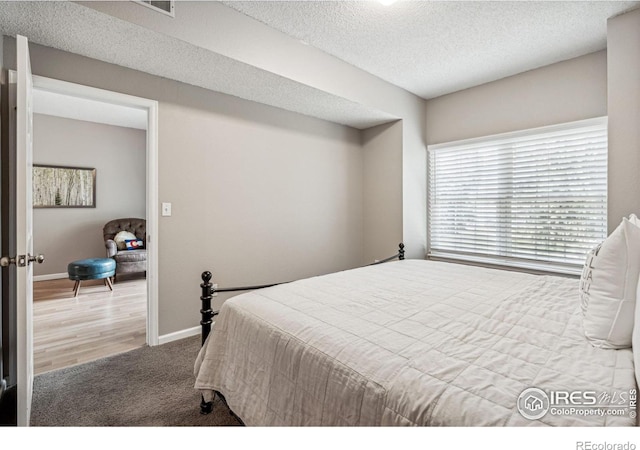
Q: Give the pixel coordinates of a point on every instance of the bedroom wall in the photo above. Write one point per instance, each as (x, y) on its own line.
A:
(119, 156)
(258, 194)
(382, 147)
(563, 92)
(623, 43)
(233, 34)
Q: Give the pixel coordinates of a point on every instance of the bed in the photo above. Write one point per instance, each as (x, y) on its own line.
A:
(414, 342)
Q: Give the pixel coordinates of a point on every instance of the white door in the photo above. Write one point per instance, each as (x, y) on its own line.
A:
(23, 231)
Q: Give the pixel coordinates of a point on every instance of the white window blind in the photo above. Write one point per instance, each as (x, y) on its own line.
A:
(535, 199)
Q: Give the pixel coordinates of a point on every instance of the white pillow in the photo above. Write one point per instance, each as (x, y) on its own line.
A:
(608, 287)
(121, 237)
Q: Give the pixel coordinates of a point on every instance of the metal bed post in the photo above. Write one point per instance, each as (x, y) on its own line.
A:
(207, 315)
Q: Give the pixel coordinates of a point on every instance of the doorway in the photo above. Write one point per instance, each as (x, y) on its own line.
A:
(134, 298)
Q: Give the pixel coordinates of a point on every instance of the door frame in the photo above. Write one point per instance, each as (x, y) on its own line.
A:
(151, 106)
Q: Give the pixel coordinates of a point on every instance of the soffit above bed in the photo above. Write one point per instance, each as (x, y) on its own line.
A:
(77, 29)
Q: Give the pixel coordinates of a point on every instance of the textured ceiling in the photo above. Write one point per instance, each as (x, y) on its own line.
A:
(432, 48)
(77, 29)
(426, 47)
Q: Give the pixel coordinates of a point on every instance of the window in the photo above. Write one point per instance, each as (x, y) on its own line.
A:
(534, 199)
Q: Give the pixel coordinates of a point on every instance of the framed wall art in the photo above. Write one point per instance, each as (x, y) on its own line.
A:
(63, 187)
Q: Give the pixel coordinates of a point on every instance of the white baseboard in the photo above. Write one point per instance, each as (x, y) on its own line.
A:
(176, 335)
(51, 276)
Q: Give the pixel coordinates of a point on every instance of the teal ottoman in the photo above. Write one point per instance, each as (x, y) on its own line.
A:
(91, 269)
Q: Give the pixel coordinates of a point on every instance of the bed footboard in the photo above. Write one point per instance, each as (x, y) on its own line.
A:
(207, 313)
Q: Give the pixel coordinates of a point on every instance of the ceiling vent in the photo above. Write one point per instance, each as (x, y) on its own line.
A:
(164, 7)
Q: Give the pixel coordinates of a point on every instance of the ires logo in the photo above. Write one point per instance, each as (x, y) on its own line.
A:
(534, 403)
(574, 398)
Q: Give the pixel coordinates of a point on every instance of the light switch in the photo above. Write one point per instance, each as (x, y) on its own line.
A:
(166, 209)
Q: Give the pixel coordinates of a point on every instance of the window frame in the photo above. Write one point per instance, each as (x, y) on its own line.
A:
(509, 263)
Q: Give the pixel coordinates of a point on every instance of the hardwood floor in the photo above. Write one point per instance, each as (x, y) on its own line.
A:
(70, 330)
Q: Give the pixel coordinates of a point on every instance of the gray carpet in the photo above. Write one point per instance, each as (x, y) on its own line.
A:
(150, 386)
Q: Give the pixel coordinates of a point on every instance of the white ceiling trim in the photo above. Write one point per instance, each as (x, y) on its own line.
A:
(62, 105)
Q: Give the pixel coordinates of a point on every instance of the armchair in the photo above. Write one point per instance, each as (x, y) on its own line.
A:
(127, 261)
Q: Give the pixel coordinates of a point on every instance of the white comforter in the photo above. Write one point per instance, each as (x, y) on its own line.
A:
(406, 343)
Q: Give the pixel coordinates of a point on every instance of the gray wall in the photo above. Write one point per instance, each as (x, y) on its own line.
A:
(119, 156)
(623, 42)
(382, 147)
(563, 92)
(231, 33)
(259, 194)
